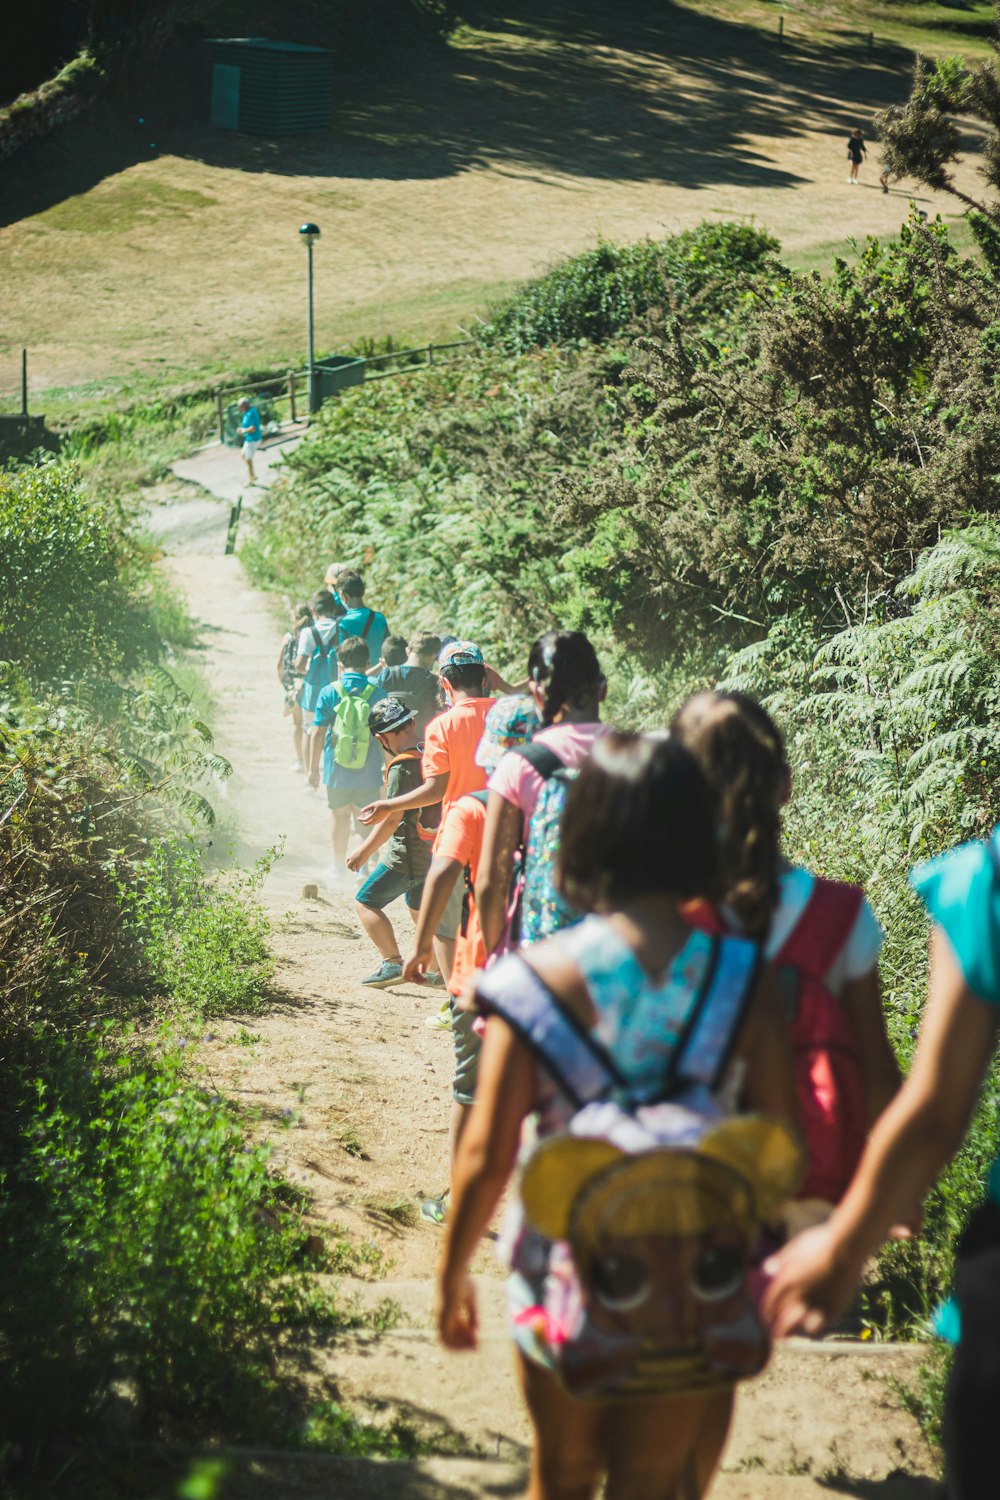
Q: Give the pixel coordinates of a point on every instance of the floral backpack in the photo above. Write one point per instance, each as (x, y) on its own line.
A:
(653, 1208)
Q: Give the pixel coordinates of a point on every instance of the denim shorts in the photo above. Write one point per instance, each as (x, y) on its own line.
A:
(359, 797)
(385, 885)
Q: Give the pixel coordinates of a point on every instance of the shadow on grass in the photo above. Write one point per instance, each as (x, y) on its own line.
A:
(630, 92)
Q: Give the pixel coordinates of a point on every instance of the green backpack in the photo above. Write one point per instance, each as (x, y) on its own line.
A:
(349, 731)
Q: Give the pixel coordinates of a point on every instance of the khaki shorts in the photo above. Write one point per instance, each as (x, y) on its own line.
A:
(467, 1044)
(451, 921)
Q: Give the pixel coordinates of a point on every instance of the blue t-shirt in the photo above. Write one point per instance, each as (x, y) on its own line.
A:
(961, 891)
(369, 778)
(250, 425)
(354, 622)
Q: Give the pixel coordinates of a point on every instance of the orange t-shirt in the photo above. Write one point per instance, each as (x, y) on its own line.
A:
(460, 837)
(450, 749)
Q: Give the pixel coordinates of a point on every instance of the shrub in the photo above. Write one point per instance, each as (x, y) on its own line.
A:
(132, 1192)
(597, 294)
(65, 608)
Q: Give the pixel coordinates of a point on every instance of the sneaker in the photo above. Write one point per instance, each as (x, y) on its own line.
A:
(387, 973)
(435, 980)
(297, 765)
(435, 1210)
(441, 1020)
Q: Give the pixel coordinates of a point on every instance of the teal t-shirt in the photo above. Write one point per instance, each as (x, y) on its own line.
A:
(961, 891)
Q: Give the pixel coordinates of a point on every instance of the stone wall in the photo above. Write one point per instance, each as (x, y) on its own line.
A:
(59, 99)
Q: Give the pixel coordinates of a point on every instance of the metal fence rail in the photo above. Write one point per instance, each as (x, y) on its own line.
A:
(285, 396)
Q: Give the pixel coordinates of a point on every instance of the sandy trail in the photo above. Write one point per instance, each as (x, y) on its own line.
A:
(353, 1090)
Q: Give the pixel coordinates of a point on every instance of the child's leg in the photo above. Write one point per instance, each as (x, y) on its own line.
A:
(654, 1447)
(973, 1395)
(341, 832)
(567, 1460)
(379, 929)
(298, 740)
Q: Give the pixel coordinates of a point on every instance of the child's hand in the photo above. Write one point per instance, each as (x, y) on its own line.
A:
(416, 967)
(812, 1279)
(355, 861)
(457, 1313)
(374, 813)
(314, 778)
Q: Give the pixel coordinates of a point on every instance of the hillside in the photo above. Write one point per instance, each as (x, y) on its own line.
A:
(141, 249)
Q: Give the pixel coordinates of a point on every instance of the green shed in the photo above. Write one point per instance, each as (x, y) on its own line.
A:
(262, 87)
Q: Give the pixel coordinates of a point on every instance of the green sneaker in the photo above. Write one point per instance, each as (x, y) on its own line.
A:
(435, 1210)
(441, 1020)
(434, 980)
(387, 973)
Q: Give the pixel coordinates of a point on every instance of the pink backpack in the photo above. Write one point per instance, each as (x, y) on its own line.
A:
(829, 1072)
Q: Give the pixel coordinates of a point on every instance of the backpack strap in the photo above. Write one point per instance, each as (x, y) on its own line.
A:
(580, 1067)
(541, 759)
(368, 624)
(715, 1021)
(823, 928)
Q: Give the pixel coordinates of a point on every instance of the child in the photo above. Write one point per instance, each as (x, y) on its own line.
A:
(368, 624)
(393, 655)
(568, 687)
(836, 935)
(815, 1274)
(450, 769)
(317, 659)
(856, 151)
(352, 760)
(510, 722)
(638, 841)
(406, 854)
(409, 678)
(301, 616)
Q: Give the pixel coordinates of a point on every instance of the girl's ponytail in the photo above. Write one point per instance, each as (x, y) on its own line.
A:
(566, 665)
(741, 750)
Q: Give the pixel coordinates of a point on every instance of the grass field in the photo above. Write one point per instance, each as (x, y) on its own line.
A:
(136, 257)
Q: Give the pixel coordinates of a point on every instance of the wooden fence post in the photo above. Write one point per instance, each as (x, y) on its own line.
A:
(291, 394)
(781, 28)
(222, 423)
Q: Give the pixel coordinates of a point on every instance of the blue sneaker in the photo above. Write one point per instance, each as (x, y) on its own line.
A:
(387, 973)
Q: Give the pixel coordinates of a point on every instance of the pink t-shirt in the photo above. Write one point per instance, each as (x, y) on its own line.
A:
(520, 784)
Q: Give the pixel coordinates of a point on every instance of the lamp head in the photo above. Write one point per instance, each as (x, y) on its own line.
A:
(308, 233)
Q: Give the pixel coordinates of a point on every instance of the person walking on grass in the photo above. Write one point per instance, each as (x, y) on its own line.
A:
(252, 434)
(856, 152)
(450, 771)
(403, 846)
(624, 995)
(511, 722)
(343, 747)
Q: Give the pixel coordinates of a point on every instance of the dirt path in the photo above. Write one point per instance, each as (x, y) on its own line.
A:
(353, 1090)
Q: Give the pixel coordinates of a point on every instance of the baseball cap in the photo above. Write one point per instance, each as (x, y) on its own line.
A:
(389, 714)
(460, 654)
(512, 721)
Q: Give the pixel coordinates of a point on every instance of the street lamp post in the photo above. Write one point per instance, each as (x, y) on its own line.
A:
(308, 233)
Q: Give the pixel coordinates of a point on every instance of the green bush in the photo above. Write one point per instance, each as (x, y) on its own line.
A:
(130, 1190)
(598, 294)
(66, 609)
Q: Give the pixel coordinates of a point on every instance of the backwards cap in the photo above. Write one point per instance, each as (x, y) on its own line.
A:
(460, 654)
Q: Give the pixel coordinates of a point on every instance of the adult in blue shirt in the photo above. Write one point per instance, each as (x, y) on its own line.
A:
(347, 789)
(252, 433)
(359, 620)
